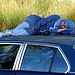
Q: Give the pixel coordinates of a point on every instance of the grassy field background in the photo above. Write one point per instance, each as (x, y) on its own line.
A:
(14, 12)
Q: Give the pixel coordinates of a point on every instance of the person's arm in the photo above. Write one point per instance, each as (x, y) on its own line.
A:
(60, 30)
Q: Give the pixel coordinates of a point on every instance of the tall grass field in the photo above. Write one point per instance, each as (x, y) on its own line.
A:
(14, 12)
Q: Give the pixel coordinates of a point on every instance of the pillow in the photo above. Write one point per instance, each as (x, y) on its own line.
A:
(69, 32)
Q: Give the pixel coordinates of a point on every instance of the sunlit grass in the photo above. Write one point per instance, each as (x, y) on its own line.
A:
(14, 12)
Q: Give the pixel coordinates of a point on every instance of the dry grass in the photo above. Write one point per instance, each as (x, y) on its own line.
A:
(14, 12)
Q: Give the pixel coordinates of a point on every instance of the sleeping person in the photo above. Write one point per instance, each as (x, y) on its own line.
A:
(34, 24)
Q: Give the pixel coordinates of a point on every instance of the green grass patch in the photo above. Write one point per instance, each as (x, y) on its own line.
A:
(14, 12)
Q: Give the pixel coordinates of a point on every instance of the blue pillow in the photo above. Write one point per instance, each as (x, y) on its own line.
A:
(69, 32)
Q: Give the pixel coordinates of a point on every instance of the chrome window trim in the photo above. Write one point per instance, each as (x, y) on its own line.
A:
(50, 45)
(11, 43)
(22, 55)
(19, 57)
(65, 58)
(72, 72)
(16, 63)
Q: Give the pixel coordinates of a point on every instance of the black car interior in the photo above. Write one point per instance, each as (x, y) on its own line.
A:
(7, 58)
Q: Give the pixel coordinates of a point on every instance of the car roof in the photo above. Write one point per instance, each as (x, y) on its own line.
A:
(61, 39)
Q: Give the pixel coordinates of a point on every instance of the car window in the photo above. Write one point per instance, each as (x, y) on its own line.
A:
(8, 54)
(59, 64)
(44, 59)
(37, 58)
(6, 48)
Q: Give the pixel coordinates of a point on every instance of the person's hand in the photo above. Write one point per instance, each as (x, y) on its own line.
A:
(33, 28)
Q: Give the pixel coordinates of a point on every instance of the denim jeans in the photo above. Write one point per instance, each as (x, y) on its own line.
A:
(20, 30)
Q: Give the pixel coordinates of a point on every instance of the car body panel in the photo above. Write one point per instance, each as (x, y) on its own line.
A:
(7, 72)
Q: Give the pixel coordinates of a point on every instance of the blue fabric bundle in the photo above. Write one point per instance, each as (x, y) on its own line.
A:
(41, 24)
(32, 20)
(68, 32)
(46, 23)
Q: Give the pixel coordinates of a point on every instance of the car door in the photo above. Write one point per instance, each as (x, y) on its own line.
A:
(7, 72)
(42, 59)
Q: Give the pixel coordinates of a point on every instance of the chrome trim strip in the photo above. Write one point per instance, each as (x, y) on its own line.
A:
(51, 45)
(12, 43)
(72, 72)
(22, 55)
(66, 60)
(16, 63)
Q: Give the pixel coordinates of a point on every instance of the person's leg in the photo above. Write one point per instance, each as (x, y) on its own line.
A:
(13, 33)
(22, 26)
(19, 32)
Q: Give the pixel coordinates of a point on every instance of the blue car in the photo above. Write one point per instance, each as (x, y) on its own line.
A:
(37, 55)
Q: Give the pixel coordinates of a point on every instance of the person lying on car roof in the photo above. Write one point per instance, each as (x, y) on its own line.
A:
(34, 24)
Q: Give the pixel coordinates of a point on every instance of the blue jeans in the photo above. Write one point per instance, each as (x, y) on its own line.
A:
(19, 30)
